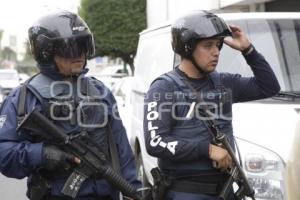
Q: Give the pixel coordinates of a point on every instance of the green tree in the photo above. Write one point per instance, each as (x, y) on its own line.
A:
(115, 25)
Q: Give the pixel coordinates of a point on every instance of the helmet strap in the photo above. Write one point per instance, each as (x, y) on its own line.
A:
(189, 49)
(197, 66)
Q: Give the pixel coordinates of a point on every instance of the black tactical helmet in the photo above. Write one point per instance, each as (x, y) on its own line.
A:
(188, 30)
(61, 33)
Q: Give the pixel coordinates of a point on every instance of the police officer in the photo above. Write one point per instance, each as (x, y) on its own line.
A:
(175, 127)
(61, 42)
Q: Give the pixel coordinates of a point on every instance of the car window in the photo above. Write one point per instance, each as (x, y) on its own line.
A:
(286, 34)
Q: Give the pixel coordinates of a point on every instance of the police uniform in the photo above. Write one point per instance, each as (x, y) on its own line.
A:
(20, 156)
(81, 104)
(177, 134)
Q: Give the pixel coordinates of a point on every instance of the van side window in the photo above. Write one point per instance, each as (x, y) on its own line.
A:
(278, 40)
(287, 46)
(231, 60)
(154, 57)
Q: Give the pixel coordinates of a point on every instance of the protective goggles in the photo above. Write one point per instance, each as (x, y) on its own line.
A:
(74, 47)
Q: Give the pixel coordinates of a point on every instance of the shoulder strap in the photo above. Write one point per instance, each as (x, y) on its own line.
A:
(179, 81)
(163, 77)
(115, 160)
(172, 77)
(215, 77)
(22, 98)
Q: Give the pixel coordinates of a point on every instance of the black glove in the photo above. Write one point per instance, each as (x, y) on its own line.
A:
(54, 158)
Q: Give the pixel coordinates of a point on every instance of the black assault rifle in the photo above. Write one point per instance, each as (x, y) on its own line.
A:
(92, 161)
(236, 173)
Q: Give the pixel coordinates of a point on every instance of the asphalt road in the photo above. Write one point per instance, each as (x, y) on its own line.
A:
(12, 189)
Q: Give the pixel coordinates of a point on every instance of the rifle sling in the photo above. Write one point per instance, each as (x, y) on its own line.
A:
(113, 150)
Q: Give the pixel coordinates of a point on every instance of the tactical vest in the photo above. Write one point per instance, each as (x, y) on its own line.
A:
(74, 107)
(193, 128)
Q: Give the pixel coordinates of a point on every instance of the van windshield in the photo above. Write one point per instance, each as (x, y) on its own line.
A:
(279, 42)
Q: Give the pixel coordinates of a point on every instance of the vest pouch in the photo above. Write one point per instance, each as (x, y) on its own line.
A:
(161, 184)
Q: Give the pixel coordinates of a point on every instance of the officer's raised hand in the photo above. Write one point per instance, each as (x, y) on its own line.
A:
(239, 40)
(55, 158)
(220, 156)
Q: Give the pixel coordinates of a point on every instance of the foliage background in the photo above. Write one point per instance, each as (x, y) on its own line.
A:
(115, 25)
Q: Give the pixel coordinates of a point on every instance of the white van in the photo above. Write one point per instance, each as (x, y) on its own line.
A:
(264, 129)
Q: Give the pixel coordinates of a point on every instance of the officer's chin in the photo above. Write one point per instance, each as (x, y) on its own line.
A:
(73, 73)
(210, 69)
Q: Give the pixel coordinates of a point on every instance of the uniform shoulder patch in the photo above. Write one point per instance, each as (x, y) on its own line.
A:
(2, 120)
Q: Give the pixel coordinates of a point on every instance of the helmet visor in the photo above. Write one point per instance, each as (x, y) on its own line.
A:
(213, 27)
(74, 47)
(202, 27)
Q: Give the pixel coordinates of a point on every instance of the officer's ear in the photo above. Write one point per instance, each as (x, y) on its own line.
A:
(190, 47)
